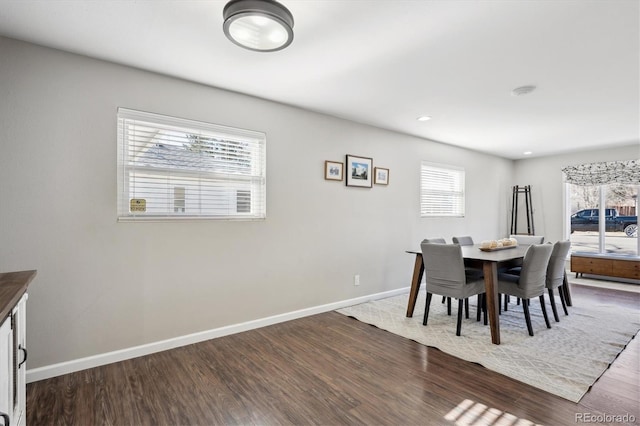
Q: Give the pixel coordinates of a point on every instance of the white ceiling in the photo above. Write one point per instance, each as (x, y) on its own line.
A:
(386, 62)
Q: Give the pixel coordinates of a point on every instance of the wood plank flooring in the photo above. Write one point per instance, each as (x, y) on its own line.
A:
(325, 369)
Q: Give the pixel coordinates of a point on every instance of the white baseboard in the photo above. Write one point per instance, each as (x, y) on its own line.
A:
(54, 370)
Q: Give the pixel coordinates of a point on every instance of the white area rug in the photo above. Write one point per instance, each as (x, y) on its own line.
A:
(565, 360)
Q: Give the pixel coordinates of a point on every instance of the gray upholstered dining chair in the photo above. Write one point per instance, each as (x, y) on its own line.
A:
(440, 241)
(477, 272)
(524, 240)
(470, 270)
(463, 241)
(531, 282)
(556, 275)
(527, 240)
(445, 276)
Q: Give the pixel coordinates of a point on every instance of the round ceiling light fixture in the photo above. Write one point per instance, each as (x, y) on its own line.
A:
(259, 25)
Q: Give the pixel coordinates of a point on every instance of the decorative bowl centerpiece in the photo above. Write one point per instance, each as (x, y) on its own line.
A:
(502, 244)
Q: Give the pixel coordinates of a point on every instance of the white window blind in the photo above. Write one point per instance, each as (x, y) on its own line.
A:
(172, 168)
(441, 190)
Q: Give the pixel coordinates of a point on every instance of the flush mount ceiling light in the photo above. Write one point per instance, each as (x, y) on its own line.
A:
(423, 118)
(259, 25)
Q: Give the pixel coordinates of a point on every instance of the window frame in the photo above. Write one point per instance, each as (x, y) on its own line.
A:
(602, 201)
(458, 196)
(212, 173)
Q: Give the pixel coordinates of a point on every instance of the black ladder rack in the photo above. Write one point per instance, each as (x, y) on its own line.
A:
(526, 190)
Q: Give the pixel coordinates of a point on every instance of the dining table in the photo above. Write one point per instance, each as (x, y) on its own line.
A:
(489, 261)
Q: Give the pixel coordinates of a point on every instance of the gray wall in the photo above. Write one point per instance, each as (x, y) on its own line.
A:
(104, 286)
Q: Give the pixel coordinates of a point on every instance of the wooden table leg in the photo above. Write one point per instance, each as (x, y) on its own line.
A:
(566, 289)
(418, 272)
(490, 270)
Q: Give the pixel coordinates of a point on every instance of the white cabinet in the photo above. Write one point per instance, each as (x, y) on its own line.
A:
(13, 351)
(20, 362)
(6, 372)
(13, 356)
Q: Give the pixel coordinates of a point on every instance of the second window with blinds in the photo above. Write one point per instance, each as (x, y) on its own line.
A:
(172, 168)
(441, 190)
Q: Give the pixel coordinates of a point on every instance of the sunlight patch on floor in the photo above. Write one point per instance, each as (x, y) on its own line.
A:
(469, 413)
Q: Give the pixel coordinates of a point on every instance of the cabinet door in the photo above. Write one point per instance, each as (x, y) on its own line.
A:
(592, 265)
(6, 370)
(626, 269)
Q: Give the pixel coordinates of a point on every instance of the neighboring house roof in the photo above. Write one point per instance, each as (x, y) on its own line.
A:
(174, 157)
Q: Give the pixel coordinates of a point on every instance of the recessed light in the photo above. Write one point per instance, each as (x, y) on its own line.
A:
(527, 153)
(424, 118)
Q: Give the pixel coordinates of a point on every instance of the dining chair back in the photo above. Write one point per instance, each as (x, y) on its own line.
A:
(463, 241)
(556, 275)
(527, 240)
(440, 241)
(533, 276)
(444, 268)
(531, 282)
(445, 276)
(434, 240)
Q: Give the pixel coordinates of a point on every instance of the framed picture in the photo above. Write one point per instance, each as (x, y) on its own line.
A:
(381, 176)
(359, 171)
(333, 170)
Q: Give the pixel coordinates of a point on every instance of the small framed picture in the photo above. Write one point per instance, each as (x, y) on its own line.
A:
(381, 176)
(333, 170)
(359, 171)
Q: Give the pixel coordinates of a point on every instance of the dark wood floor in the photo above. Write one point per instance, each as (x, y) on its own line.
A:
(324, 369)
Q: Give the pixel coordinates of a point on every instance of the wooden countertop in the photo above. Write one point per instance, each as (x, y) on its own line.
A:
(12, 286)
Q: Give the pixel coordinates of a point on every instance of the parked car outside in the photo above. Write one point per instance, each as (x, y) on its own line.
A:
(588, 220)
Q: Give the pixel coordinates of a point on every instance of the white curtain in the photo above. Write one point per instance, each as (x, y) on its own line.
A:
(625, 172)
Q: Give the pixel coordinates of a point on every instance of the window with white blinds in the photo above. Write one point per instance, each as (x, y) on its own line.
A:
(441, 190)
(172, 168)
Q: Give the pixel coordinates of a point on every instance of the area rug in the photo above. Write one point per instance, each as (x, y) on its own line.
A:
(565, 360)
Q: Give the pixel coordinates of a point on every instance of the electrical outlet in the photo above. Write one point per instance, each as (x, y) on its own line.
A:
(356, 280)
